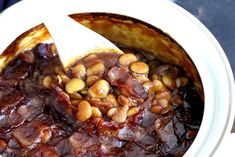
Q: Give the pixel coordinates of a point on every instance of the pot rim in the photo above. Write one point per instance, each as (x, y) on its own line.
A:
(202, 47)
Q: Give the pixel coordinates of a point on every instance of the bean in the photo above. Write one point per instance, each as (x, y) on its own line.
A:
(75, 102)
(74, 85)
(111, 112)
(112, 99)
(154, 77)
(168, 81)
(91, 79)
(47, 82)
(75, 96)
(164, 103)
(181, 81)
(59, 70)
(97, 69)
(165, 94)
(133, 111)
(140, 101)
(84, 92)
(91, 56)
(122, 100)
(158, 86)
(53, 48)
(156, 109)
(121, 114)
(84, 111)
(99, 90)
(139, 68)
(79, 71)
(177, 98)
(47, 134)
(96, 112)
(127, 59)
(190, 134)
(65, 79)
(142, 79)
(2, 144)
(147, 85)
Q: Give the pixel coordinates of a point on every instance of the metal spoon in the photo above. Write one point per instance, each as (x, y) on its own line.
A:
(74, 40)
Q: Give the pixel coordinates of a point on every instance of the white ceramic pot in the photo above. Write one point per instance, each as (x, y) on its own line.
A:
(214, 136)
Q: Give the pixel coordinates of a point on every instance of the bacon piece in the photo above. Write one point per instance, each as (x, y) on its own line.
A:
(117, 75)
(103, 106)
(132, 88)
(34, 132)
(82, 142)
(27, 56)
(165, 130)
(32, 107)
(127, 84)
(43, 151)
(44, 51)
(10, 100)
(78, 144)
(60, 102)
(17, 70)
(4, 84)
(9, 118)
(111, 146)
(2, 145)
(64, 148)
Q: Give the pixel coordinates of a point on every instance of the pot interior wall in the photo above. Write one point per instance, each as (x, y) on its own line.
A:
(140, 35)
(120, 29)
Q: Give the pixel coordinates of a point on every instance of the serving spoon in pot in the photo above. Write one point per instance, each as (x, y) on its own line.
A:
(74, 41)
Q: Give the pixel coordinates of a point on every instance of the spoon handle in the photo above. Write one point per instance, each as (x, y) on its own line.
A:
(74, 41)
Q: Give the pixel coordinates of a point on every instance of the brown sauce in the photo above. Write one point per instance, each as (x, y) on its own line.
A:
(40, 121)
